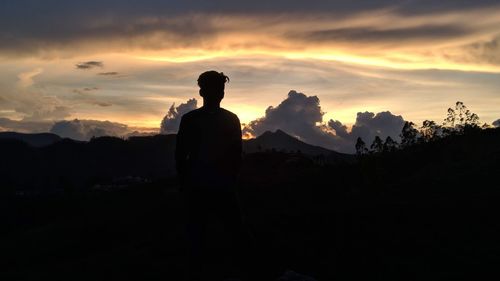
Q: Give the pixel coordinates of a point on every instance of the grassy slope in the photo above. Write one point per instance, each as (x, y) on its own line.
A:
(425, 213)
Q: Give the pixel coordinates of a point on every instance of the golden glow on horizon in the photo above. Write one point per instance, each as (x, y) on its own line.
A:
(160, 67)
(395, 61)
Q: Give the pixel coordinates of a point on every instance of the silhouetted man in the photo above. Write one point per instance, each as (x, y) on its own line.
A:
(208, 157)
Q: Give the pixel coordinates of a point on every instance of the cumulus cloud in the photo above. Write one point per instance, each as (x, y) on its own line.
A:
(383, 124)
(33, 104)
(86, 129)
(26, 99)
(497, 123)
(89, 64)
(301, 116)
(297, 115)
(171, 121)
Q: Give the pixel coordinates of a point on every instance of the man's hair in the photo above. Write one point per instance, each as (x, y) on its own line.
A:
(212, 81)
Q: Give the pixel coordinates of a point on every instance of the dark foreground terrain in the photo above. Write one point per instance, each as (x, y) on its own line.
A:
(427, 212)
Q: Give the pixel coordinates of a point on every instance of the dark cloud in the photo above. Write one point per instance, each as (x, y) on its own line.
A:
(383, 124)
(53, 113)
(368, 34)
(368, 125)
(85, 90)
(111, 73)
(102, 103)
(171, 121)
(25, 126)
(486, 51)
(89, 64)
(339, 128)
(85, 95)
(38, 27)
(301, 116)
(78, 10)
(86, 129)
(496, 123)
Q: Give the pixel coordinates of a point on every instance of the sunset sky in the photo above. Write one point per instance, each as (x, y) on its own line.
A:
(128, 61)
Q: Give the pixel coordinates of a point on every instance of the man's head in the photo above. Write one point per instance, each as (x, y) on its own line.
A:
(212, 85)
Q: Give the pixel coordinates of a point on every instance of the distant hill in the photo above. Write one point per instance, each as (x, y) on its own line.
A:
(36, 140)
(281, 141)
(278, 140)
(55, 163)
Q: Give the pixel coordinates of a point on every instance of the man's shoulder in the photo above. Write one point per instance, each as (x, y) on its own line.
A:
(229, 114)
(200, 113)
(192, 114)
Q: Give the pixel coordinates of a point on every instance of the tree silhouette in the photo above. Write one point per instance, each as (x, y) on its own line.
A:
(450, 118)
(460, 119)
(360, 147)
(390, 145)
(408, 134)
(429, 131)
(377, 145)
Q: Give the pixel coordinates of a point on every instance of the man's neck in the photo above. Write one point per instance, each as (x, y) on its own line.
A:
(211, 106)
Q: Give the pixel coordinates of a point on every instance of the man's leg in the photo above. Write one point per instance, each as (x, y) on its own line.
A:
(242, 242)
(195, 232)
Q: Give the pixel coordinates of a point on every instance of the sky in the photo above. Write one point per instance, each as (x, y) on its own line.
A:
(119, 66)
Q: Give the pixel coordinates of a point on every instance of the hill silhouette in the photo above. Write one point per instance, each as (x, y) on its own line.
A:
(55, 164)
(110, 209)
(283, 142)
(278, 140)
(38, 140)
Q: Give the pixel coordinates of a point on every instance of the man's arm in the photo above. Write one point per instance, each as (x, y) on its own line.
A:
(237, 145)
(181, 149)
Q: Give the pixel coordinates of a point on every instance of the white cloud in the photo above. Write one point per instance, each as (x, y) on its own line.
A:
(301, 116)
(86, 129)
(171, 121)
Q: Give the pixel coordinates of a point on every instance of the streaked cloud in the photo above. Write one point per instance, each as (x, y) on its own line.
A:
(89, 64)
(484, 51)
(26, 78)
(339, 30)
(387, 35)
(111, 73)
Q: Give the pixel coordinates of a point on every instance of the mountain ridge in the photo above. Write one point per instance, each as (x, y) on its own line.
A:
(278, 140)
(32, 139)
(281, 141)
